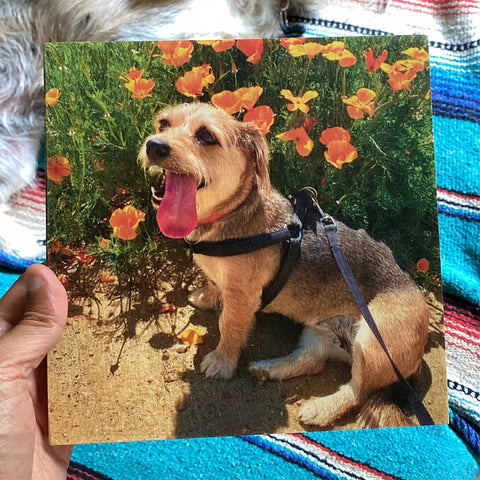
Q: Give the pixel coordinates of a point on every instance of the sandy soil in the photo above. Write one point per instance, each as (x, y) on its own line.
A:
(128, 377)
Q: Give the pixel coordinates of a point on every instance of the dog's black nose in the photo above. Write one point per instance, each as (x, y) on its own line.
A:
(157, 149)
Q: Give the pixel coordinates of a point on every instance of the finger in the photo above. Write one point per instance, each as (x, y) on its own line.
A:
(24, 347)
(12, 305)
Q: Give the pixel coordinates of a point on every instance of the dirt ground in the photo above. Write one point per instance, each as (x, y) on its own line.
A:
(135, 380)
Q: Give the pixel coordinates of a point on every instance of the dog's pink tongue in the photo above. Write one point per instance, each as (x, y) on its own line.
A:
(177, 213)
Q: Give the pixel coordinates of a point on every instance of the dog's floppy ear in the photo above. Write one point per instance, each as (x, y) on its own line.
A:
(253, 142)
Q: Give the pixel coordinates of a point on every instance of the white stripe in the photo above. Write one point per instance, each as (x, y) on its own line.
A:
(457, 202)
(319, 456)
(398, 21)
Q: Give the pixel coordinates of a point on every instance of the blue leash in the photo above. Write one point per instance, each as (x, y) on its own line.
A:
(330, 227)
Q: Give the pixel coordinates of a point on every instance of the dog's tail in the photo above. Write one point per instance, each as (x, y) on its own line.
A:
(379, 411)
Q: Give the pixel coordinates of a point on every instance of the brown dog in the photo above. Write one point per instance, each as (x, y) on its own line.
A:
(217, 187)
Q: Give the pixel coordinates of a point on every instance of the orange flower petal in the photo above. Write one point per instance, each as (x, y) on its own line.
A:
(134, 74)
(58, 168)
(228, 101)
(125, 221)
(372, 63)
(218, 45)
(423, 265)
(262, 116)
(249, 96)
(52, 96)
(252, 48)
(340, 152)
(176, 53)
(304, 144)
(195, 80)
(140, 87)
(334, 134)
(191, 336)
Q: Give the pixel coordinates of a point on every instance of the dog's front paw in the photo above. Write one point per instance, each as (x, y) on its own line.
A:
(218, 365)
(207, 297)
(315, 412)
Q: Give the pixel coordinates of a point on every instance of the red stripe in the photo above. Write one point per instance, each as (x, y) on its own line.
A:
(453, 193)
(344, 459)
(84, 475)
(426, 7)
(476, 354)
(464, 320)
(35, 199)
(29, 206)
(464, 315)
(469, 332)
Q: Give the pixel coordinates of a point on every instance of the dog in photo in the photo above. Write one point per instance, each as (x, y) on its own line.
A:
(215, 185)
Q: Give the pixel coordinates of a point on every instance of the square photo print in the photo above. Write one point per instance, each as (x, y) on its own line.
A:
(187, 182)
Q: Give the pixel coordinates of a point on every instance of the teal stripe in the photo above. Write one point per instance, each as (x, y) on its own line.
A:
(457, 143)
(207, 459)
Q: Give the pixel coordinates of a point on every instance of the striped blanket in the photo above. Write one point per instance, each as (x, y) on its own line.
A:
(439, 452)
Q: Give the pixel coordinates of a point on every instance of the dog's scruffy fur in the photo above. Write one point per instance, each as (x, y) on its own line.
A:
(231, 169)
(26, 25)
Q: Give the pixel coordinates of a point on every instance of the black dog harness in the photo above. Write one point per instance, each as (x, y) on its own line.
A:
(290, 237)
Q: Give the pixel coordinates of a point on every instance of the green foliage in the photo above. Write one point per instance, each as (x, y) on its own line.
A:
(99, 125)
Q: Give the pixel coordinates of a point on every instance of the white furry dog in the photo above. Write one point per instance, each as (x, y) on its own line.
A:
(25, 26)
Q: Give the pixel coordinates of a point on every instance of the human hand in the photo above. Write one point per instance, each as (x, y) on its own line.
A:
(33, 315)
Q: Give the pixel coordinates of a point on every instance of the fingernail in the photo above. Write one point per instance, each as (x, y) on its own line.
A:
(33, 282)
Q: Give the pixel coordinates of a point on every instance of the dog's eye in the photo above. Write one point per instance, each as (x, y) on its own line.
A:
(163, 124)
(206, 137)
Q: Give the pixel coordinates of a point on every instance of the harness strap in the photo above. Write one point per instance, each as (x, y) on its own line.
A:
(237, 246)
(416, 404)
(290, 238)
(290, 254)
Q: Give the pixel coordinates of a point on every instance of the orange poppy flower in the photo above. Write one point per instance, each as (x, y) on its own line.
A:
(339, 152)
(52, 96)
(334, 134)
(228, 101)
(416, 53)
(299, 103)
(140, 87)
(218, 45)
(262, 116)
(304, 143)
(233, 102)
(423, 265)
(288, 42)
(310, 49)
(176, 53)
(103, 242)
(58, 168)
(399, 76)
(252, 48)
(360, 103)
(249, 96)
(108, 277)
(125, 221)
(339, 149)
(192, 336)
(337, 51)
(195, 80)
(134, 74)
(373, 63)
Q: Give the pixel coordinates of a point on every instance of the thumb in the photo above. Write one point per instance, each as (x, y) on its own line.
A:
(44, 318)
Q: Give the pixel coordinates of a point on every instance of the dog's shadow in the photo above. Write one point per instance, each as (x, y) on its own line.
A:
(243, 404)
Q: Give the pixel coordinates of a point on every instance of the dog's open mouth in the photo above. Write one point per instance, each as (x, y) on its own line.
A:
(175, 196)
(158, 191)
